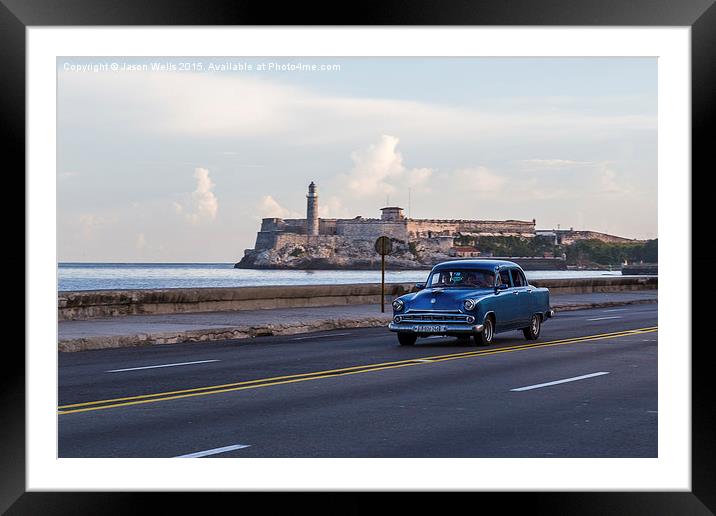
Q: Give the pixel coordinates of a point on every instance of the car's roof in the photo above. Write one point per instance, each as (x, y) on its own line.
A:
(474, 264)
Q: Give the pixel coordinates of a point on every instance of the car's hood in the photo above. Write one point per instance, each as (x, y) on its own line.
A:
(445, 298)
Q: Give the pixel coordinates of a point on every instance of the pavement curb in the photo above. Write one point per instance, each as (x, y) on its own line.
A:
(245, 332)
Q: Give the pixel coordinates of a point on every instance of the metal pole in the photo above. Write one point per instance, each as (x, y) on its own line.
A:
(382, 283)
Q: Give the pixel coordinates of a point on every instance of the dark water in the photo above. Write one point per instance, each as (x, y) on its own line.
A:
(117, 276)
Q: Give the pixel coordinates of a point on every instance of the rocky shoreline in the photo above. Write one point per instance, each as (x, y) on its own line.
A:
(326, 265)
(360, 255)
(340, 254)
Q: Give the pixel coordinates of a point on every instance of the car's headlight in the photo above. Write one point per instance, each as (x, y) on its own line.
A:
(469, 304)
(398, 305)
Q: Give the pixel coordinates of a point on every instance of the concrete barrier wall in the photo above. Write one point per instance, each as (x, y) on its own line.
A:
(109, 303)
(588, 285)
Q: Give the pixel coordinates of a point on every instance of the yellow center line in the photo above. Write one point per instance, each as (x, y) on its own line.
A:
(331, 373)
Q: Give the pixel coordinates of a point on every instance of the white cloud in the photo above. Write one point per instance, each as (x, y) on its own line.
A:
(555, 163)
(374, 167)
(610, 184)
(203, 204)
(535, 190)
(269, 207)
(89, 224)
(230, 105)
(479, 180)
(328, 207)
(378, 170)
(243, 121)
(141, 242)
(419, 177)
(332, 208)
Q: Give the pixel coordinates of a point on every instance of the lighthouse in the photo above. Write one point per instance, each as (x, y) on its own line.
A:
(312, 210)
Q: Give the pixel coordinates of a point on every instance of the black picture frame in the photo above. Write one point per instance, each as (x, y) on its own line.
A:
(700, 15)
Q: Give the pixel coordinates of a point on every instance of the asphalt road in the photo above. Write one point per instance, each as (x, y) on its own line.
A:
(356, 393)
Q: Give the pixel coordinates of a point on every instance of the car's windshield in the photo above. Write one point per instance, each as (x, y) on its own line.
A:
(462, 278)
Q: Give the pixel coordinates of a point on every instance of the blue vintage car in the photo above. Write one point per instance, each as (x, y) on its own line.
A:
(471, 299)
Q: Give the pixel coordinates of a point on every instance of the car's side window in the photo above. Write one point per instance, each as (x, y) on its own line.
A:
(525, 283)
(505, 277)
(518, 279)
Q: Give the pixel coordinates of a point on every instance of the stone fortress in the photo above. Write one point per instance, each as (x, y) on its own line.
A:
(316, 242)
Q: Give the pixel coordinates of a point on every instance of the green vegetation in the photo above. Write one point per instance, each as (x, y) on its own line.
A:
(413, 249)
(510, 246)
(582, 252)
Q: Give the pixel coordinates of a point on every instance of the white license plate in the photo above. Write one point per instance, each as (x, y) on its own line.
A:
(429, 328)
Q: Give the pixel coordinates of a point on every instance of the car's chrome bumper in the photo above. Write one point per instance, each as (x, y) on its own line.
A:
(444, 328)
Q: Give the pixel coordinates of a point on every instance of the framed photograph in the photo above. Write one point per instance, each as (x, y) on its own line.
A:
(410, 251)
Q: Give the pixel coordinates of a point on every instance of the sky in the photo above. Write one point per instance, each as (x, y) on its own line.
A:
(178, 159)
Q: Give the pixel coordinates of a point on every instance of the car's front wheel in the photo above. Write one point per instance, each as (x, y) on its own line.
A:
(532, 331)
(407, 339)
(484, 338)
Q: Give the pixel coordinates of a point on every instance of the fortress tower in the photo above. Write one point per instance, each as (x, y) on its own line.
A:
(392, 214)
(312, 210)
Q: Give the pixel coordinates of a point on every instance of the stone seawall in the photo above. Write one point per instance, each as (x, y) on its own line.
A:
(335, 253)
(589, 285)
(641, 269)
(110, 303)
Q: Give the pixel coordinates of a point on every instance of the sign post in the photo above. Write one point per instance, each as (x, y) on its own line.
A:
(383, 246)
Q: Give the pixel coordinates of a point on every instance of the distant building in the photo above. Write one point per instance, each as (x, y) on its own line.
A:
(392, 214)
(312, 224)
(464, 251)
(276, 232)
(439, 234)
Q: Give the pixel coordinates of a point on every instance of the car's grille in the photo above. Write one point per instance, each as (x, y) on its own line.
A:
(435, 317)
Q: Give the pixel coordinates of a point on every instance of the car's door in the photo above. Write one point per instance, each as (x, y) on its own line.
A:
(522, 298)
(504, 304)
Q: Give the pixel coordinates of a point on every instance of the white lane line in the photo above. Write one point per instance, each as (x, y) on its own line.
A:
(556, 382)
(161, 365)
(321, 336)
(215, 451)
(603, 318)
(615, 310)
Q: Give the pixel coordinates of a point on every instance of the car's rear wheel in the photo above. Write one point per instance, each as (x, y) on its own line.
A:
(532, 331)
(407, 339)
(484, 338)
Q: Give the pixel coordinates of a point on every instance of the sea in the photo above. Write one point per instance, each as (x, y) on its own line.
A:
(124, 276)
